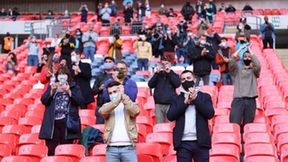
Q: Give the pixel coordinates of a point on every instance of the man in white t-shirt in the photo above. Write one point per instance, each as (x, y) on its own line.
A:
(120, 136)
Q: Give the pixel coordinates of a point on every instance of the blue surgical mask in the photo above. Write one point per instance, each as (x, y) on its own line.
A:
(113, 96)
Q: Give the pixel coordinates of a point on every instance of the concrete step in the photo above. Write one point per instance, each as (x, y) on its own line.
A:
(283, 54)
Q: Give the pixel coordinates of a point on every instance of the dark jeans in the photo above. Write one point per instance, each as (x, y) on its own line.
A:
(99, 118)
(58, 136)
(226, 78)
(142, 64)
(189, 150)
(243, 108)
(267, 41)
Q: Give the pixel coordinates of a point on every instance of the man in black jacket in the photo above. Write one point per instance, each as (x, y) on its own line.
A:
(202, 58)
(188, 11)
(165, 81)
(191, 109)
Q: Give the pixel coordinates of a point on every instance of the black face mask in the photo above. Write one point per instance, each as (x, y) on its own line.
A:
(187, 84)
(242, 41)
(121, 74)
(67, 35)
(247, 62)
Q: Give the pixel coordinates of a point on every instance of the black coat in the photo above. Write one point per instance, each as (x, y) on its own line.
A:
(96, 87)
(83, 80)
(204, 111)
(128, 14)
(202, 64)
(165, 86)
(76, 99)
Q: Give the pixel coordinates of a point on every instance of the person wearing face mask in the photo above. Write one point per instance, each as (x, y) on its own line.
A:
(144, 52)
(89, 39)
(245, 76)
(120, 125)
(121, 75)
(191, 110)
(61, 121)
(202, 58)
(78, 41)
(267, 33)
(67, 45)
(165, 82)
(54, 43)
(81, 72)
(33, 51)
(222, 59)
(98, 86)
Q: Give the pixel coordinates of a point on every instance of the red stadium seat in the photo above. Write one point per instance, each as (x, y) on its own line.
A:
(259, 149)
(226, 151)
(5, 150)
(165, 139)
(93, 159)
(36, 129)
(227, 138)
(15, 129)
(30, 121)
(147, 121)
(284, 153)
(261, 159)
(222, 159)
(226, 128)
(32, 138)
(255, 128)
(282, 140)
(5, 120)
(35, 152)
(163, 128)
(17, 159)
(56, 159)
(99, 150)
(170, 158)
(101, 127)
(252, 138)
(149, 149)
(75, 151)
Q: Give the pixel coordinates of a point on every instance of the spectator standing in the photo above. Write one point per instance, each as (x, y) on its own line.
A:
(121, 75)
(222, 59)
(105, 14)
(247, 8)
(163, 10)
(128, 13)
(202, 57)
(267, 33)
(241, 41)
(125, 2)
(33, 51)
(43, 62)
(165, 81)
(8, 43)
(189, 45)
(84, 13)
(147, 9)
(230, 9)
(116, 27)
(67, 45)
(81, 72)
(113, 7)
(141, 9)
(66, 14)
(50, 14)
(122, 137)
(191, 110)
(187, 12)
(11, 63)
(15, 13)
(200, 9)
(243, 27)
(202, 27)
(144, 52)
(180, 39)
(54, 43)
(209, 13)
(3, 12)
(98, 86)
(115, 48)
(213, 6)
(98, 10)
(61, 122)
(169, 45)
(78, 41)
(182, 26)
(89, 39)
(245, 87)
(222, 7)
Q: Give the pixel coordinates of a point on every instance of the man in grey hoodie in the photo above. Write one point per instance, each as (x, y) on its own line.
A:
(89, 39)
(33, 51)
(245, 75)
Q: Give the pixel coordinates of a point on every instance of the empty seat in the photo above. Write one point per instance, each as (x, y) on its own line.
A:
(258, 138)
(17, 159)
(228, 151)
(222, 159)
(165, 139)
(163, 127)
(93, 159)
(32, 138)
(99, 150)
(56, 159)
(226, 128)
(261, 159)
(5, 150)
(75, 151)
(35, 152)
(227, 138)
(149, 149)
(170, 158)
(255, 128)
(260, 149)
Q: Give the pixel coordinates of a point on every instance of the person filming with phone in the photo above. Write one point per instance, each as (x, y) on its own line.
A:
(191, 110)
(165, 82)
(245, 74)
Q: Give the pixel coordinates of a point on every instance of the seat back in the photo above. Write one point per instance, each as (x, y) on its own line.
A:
(75, 151)
(56, 159)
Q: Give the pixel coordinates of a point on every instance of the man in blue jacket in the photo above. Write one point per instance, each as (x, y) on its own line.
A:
(191, 109)
(165, 81)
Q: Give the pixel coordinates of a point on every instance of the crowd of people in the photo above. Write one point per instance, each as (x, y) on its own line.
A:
(67, 77)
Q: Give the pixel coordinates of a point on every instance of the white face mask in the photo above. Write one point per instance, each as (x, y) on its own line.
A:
(74, 58)
(62, 78)
(113, 96)
(203, 42)
(223, 44)
(190, 34)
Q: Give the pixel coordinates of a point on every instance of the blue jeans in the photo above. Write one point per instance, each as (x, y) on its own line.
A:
(121, 154)
(142, 64)
(89, 52)
(189, 150)
(226, 79)
(32, 60)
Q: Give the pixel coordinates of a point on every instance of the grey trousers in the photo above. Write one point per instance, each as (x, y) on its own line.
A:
(243, 108)
(206, 79)
(161, 113)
